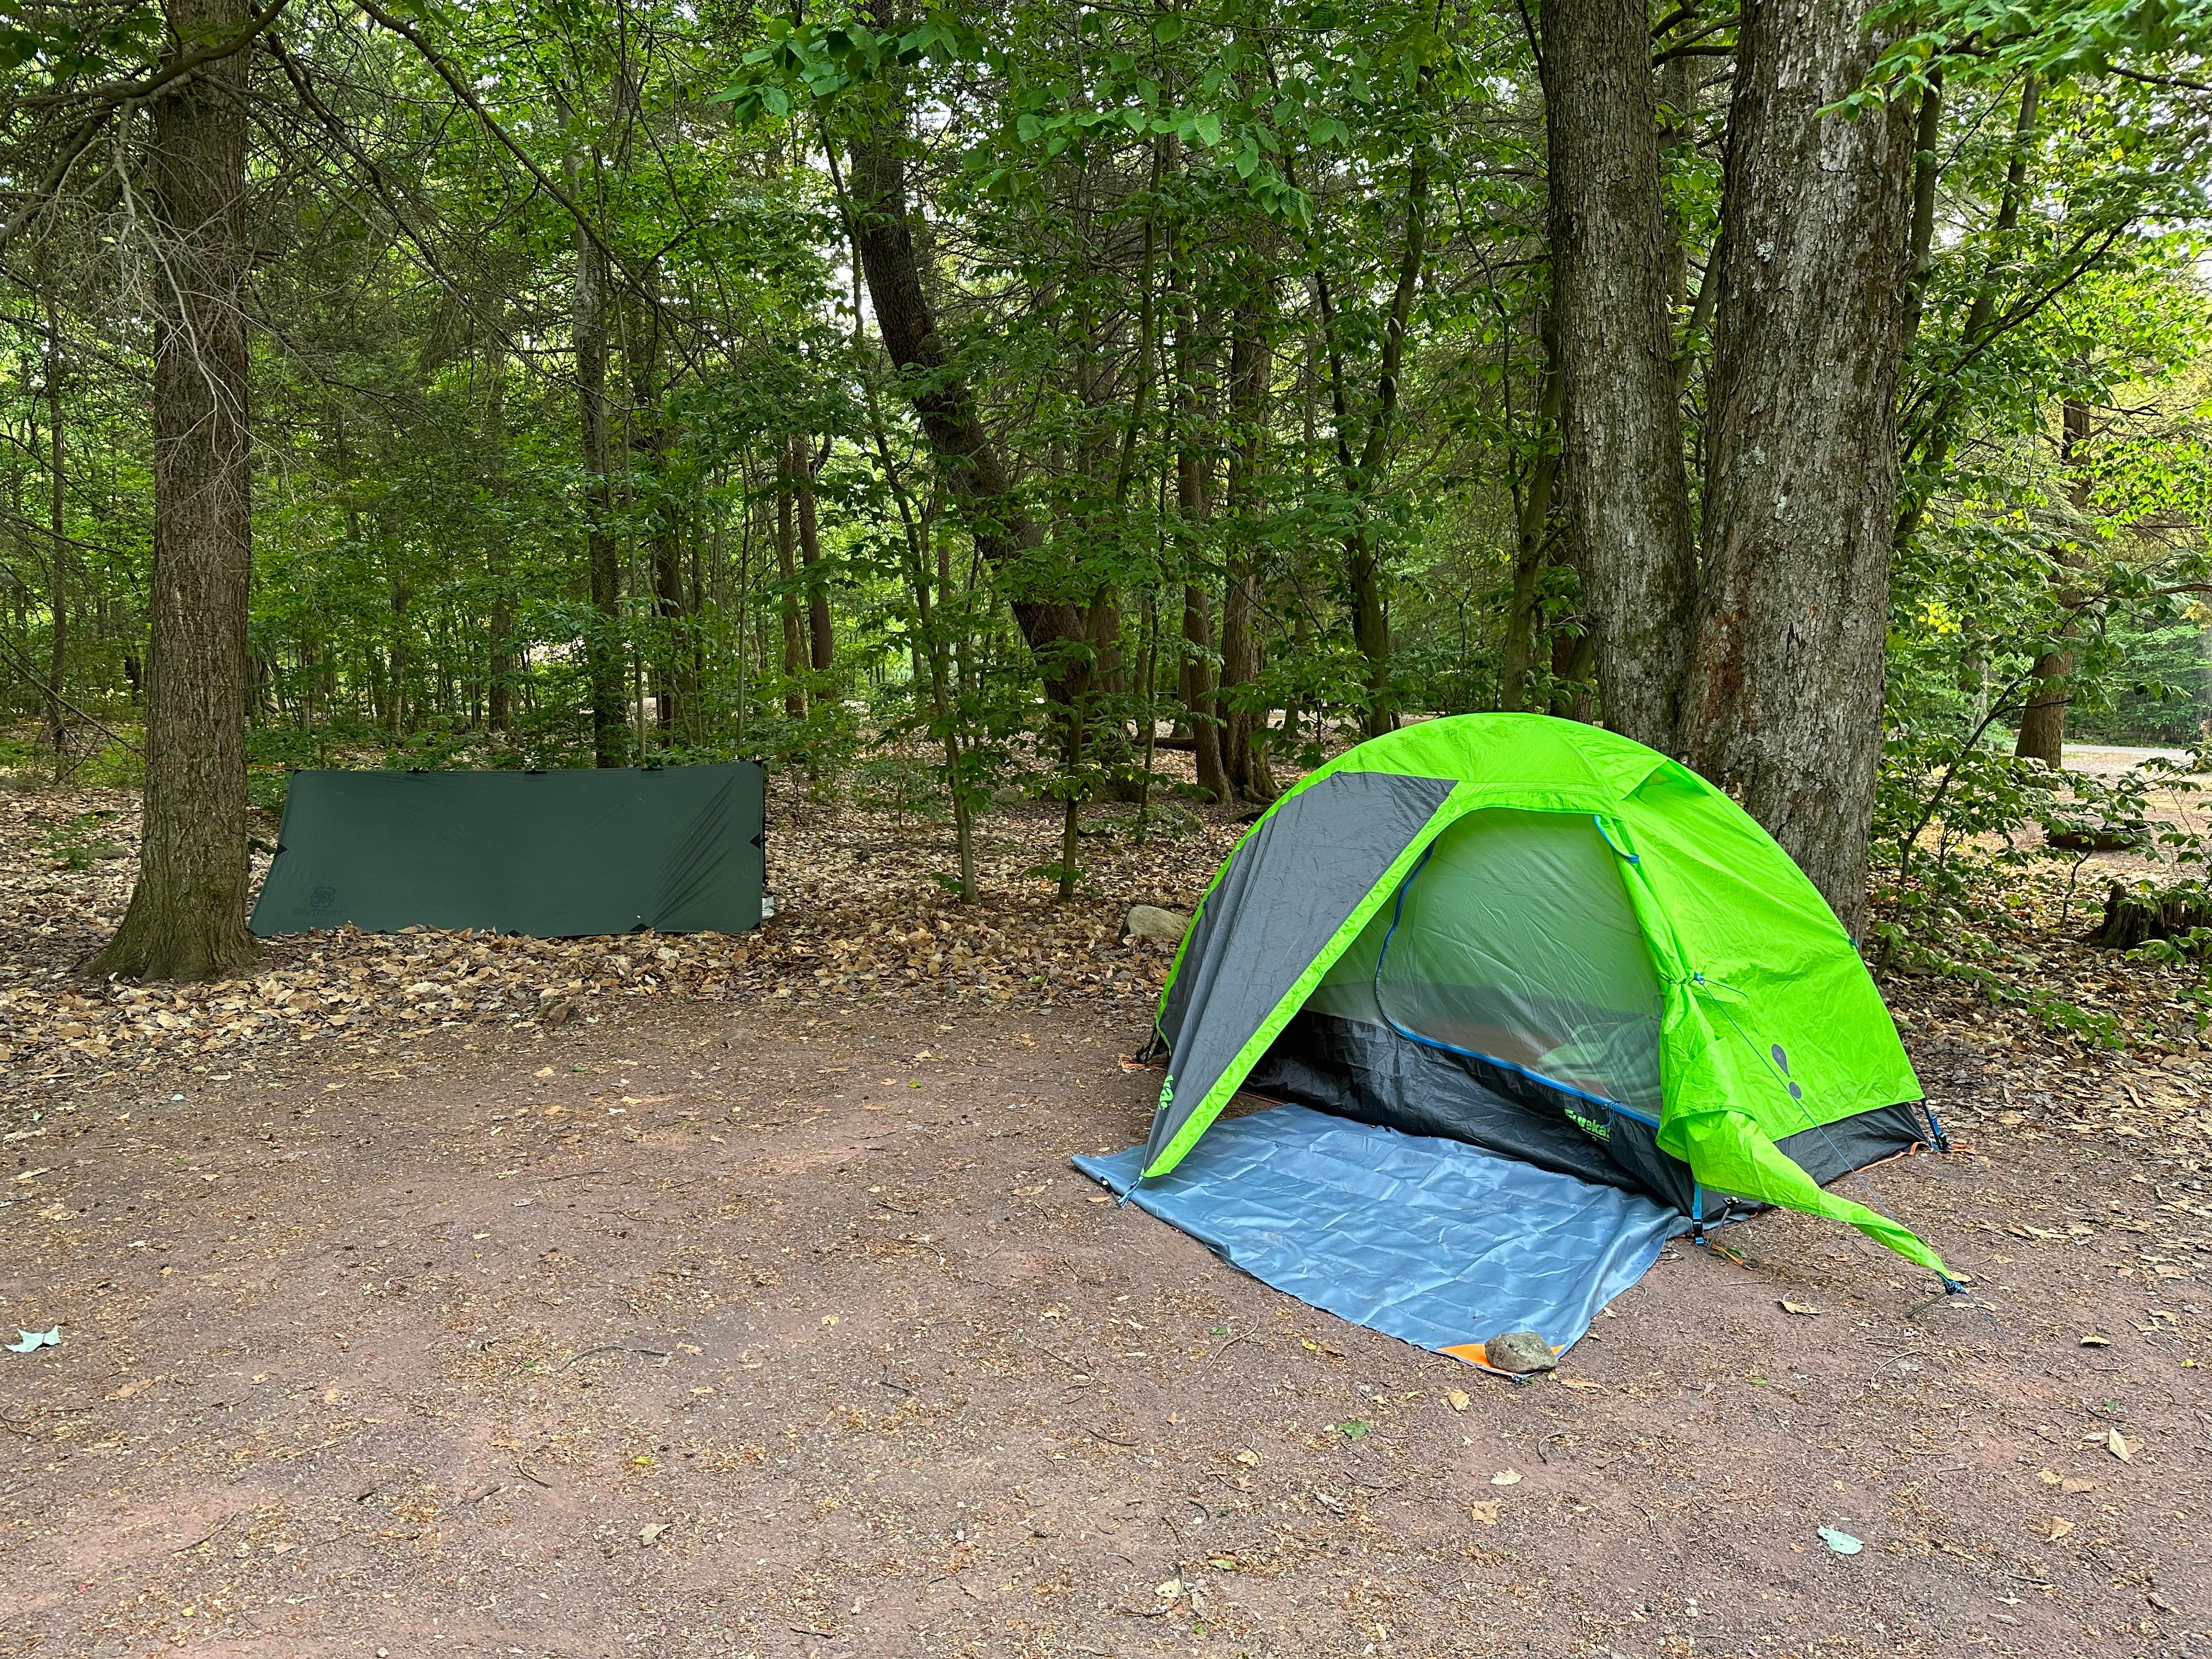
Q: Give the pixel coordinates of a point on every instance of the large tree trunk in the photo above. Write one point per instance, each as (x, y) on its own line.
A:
(1783, 706)
(603, 649)
(186, 919)
(1625, 492)
(968, 459)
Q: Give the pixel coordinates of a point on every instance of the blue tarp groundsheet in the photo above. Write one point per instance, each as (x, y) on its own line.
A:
(1435, 1242)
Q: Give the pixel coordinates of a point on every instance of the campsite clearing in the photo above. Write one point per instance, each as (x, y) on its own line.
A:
(427, 1351)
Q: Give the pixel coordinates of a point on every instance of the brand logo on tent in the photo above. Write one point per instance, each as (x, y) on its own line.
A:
(1590, 1127)
(1781, 1064)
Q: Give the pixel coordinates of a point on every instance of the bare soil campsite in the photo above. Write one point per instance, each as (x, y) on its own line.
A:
(431, 1294)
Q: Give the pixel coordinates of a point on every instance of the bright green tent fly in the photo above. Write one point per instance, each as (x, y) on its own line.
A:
(1543, 938)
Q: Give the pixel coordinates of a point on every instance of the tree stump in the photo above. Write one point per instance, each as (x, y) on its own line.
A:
(2137, 915)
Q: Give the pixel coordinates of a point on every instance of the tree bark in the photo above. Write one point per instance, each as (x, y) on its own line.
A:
(499, 714)
(1194, 681)
(58, 520)
(1933, 439)
(2043, 722)
(649, 446)
(1251, 360)
(1624, 490)
(821, 639)
(786, 567)
(186, 918)
(1531, 537)
(1784, 704)
(603, 648)
(1363, 474)
(973, 471)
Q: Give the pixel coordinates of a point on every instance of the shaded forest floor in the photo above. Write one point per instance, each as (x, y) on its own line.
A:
(430, 1295)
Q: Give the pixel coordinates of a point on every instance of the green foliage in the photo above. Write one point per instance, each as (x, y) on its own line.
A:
(81, 841)
(1114, 211)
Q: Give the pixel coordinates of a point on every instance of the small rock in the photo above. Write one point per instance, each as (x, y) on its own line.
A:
(1161, 927)
(1520, 1353)
(557, 1015)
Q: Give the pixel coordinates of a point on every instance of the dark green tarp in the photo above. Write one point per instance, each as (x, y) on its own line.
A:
(553, 855)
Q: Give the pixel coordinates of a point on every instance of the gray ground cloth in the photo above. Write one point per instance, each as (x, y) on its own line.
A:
(1435, 1242)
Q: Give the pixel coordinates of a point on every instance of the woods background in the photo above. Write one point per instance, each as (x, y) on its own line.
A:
(942, 402)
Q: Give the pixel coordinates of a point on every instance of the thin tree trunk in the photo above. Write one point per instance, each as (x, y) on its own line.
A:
(1783, 706)
(1371, 616)
(973, 471)
(1531, 537)
(821, 640)
(186, 918)
(1194, 677)
(649, 443)
(401, 658)
(2043, 722)
(795, 639)
(1933, 440)
(58, 502)
(1251, 361)
(603, 649)
(500, 693)
(1624, 490)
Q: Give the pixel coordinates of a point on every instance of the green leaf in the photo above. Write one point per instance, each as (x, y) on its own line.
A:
(1208, 128)
(1168, 30)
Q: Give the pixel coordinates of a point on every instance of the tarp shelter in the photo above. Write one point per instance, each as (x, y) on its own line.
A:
(1546, 942)
(555, 855)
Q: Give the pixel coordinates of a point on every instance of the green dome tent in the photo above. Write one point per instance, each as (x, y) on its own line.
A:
(1550, 942)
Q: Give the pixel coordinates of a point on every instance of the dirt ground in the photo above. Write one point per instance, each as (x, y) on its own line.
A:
(430, 1294)
(704, 1330)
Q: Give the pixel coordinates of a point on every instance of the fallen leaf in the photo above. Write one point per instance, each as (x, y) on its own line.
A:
(2049, 1477)
(1247, 1457)
(1580, 1382)
(1799, 1308)
(2073, 1484)
(648, 1535)
(2118, 1447)
(1170, 1590)
(1485, 1514)
(2053, 1529)
(2095, 1341)
(1459, 1398)
(52, 1338)
(1354, 1430)
(1841, 1542)
(1506, 1478)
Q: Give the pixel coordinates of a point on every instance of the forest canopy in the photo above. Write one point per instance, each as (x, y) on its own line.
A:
(938, 399)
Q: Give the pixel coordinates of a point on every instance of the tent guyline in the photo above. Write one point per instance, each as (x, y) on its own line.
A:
(1555, 945)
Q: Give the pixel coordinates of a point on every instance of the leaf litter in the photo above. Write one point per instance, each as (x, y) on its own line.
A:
(861, 917)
